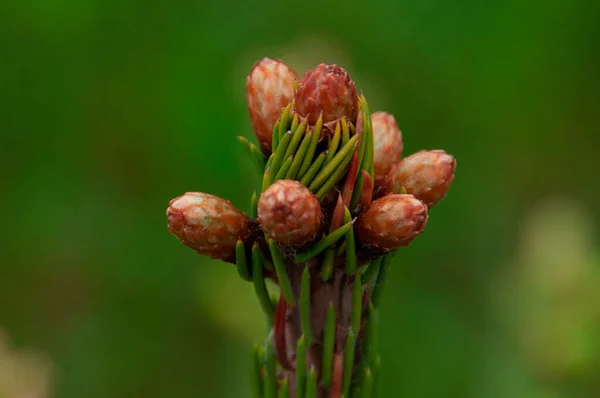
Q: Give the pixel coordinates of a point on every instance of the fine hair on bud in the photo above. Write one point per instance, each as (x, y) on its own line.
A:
(392, 221)
(208, 224)
(289, 213)
(426, 174)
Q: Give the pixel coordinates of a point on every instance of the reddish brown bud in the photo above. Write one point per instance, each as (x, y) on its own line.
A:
(327, 89)
(289, 212)
(392, 222)
(426, 174)
(269, 88)
(387, 140)
(208, 224)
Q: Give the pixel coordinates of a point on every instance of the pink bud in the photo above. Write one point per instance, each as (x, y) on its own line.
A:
(269, 88)
(289, 213)
(426, 174)
(387, 140)
(327, 89)
(392, 222)
(208, 224)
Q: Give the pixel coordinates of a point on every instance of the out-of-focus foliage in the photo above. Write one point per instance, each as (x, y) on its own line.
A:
(110, 108)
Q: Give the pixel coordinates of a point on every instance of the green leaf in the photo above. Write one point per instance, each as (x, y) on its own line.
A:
(333, 164)
(255, 154)
(314, 169)
(284, 168)
(368, 159)
(295, 121)
(381, 281)
(356, 193)
(334, 178)
(367, 384)
(311, 383)
(323, 243)
(284, 391)
(284, 121)
(300, 368)
(334, 142)
(350, 245)
(254, 205)
(372, 271)
(341, 249)
(282, 276)
(299, 157)
(328, 346)
(270, 371)
(259, 285)
(275, 137)
(267, 176)
(370, 342)
(376, 377)
(310, 153)
(348, 364)
(327, 267)
(305, 306)
(356, 315)
(297, 136)
(345, 132)
(240, 260)
(279, 158)
(256, 379)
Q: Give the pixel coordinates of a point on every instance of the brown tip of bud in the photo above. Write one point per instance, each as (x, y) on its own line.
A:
(426, 174)
(392, 222)
(387, 140)
(269, 88)
(327, 89)
(208, 224)
(289, 213)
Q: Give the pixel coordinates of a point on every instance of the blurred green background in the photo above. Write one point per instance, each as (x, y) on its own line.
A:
(108, 109)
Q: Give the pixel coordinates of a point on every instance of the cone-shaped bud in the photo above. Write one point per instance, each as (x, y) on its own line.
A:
(426, 174)
(327, 89)
(392, 222)
(208, 224)
(289, 213)
(269, 88)
(387, 140)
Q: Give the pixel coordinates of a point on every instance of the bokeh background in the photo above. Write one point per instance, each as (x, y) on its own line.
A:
(110, 108)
